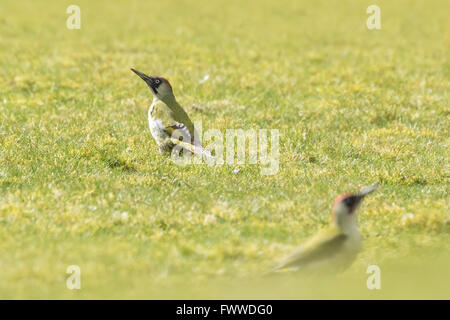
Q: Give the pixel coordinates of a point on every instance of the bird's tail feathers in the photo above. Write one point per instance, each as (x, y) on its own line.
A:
(192, 148)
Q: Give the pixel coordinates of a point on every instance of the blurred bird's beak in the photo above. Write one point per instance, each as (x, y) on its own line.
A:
(366, 190)
(149, 80)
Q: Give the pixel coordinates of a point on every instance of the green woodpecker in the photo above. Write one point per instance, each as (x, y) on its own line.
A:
(335, 248)
(169, 124)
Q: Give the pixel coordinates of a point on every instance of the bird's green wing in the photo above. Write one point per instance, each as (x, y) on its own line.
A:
(172, 121)
(191, 148)
(179, 127)
(322, 246)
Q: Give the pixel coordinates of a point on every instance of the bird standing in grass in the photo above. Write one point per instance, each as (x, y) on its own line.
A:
(169, 124)
(335, 248)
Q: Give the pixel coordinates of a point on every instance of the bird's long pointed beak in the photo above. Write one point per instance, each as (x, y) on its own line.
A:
(366, 190)
(143, 76)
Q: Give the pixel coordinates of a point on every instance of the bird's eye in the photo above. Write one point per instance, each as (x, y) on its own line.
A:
(350, 201)
(157, 81)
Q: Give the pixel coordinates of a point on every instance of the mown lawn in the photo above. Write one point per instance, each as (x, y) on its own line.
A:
(82, 182)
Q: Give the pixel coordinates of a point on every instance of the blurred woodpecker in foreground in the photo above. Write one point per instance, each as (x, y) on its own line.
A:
(335, 248)
(169, 124)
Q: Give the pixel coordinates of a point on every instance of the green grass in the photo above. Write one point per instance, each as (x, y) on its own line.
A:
(82, 182)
